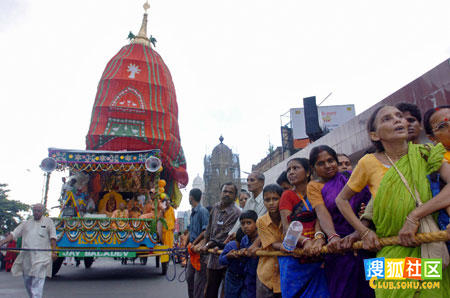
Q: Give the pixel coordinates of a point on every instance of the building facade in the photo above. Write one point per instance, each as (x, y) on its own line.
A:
(220, 167)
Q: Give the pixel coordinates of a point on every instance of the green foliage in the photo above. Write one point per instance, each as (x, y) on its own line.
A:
(9, 211)
(271, 149)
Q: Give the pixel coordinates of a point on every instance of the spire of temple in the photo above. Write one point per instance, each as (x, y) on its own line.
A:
(142, 38)
(221, 139)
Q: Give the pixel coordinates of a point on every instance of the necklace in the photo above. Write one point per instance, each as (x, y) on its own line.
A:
(396, 157)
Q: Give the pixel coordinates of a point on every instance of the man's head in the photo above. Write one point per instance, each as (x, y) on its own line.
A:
(38, 211)
(283, 181)
(195, 195)
(255, 183)
(243, 197)
(248, 222)
(412, 115)
(228, 194)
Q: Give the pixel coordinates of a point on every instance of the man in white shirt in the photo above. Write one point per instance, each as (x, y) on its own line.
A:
(255, 184)
(38, 232)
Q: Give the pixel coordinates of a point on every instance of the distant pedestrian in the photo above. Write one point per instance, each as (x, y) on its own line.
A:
(38, 232)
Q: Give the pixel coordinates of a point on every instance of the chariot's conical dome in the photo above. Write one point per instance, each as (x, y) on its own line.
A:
(136, 108)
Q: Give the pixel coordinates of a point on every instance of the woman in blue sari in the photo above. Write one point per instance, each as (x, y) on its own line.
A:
(301, 277)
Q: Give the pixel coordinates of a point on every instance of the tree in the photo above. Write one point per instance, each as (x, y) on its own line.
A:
(9, 211)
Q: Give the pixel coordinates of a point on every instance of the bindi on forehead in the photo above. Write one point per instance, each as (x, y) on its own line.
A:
(440, 115)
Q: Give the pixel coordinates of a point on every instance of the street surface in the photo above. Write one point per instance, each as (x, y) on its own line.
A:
(106, 278)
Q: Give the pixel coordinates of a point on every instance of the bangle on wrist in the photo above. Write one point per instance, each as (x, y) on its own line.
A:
(304, 241)
(319, 235)
(332, 236)
(364, 234)
(416, 222)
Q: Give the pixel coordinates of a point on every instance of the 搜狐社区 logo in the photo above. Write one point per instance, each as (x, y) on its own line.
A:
(398, 269)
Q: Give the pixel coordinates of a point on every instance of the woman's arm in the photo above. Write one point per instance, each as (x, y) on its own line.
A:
(370, 239)
(284, 219)
(440, 201)
(326, 224)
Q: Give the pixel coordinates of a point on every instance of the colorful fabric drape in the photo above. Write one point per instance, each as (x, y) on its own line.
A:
(136, 109)
(301, 279)
(343, 270)
(169, 216)
(393, 203)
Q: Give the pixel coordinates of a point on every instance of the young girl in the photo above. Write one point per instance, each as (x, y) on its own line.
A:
(340, 269)
(303, 277)
(394, 209)
(270, 232)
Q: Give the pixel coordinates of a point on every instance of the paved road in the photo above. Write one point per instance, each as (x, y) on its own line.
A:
(106, 278)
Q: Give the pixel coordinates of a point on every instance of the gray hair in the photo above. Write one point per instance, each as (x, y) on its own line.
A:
(260, 176)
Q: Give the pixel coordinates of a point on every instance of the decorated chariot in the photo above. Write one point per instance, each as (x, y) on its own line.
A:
(133, 165)
(99, 182)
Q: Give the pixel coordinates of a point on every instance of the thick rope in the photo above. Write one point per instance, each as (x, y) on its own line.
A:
(388, 241)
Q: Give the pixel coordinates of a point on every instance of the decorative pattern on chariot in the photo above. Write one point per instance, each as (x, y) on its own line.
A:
(139, 236)
(59, 234)
(88, 223)
(136, 224)
(106, 236)
(65, 157)
(104, 224)
(122, 235)
(96, 237)
(72, 224)
(89, 236)
(73, 235)
(76, 167)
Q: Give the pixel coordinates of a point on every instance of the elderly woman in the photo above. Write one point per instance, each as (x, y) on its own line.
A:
(395, 210)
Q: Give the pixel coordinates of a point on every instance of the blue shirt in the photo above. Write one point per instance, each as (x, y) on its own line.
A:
(251, 264)
(234, 265)
(199, 221)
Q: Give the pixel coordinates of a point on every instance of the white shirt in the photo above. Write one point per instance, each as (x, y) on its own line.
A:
(255, 204)
(35, 234)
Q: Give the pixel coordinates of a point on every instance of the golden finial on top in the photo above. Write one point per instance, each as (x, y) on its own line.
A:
(146, 6)
(141, 37)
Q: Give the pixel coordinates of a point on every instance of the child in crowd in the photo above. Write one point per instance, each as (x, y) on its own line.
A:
(248, 226)
(234, 277)
(270, 232)
(283, 181)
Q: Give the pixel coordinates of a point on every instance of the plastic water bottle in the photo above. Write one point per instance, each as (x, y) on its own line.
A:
(294, 232)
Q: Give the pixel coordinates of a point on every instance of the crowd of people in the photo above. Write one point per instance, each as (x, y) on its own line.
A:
(398, 189)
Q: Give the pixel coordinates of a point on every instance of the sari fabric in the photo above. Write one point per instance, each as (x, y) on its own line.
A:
(343, 270)
(298, 278)
(393, 203)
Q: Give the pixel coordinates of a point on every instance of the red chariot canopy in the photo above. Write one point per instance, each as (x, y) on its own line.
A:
(136, 108)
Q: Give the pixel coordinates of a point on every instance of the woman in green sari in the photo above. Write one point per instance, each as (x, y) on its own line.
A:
(393, 209)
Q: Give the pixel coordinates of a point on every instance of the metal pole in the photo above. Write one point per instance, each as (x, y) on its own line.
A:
(47, 182)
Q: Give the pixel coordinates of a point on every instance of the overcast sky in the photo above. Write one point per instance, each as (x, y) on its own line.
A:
(236, 65)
